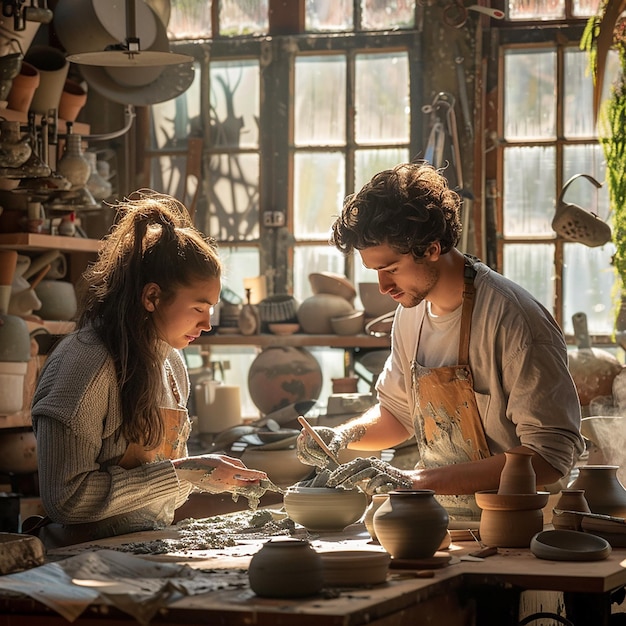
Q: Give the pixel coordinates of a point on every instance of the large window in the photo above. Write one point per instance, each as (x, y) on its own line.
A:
(547, 135)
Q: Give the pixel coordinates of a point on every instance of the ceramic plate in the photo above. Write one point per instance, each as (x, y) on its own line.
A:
(569, 545)
(351, 568)
(380, 326)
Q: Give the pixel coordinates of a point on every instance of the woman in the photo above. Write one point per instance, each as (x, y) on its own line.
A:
(109, 409)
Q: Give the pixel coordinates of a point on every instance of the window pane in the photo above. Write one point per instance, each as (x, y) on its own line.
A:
(189, 19)
(239, 263)
(586, 159)
(382, 14)
(535, 9)
(175, 120)
(585, 8)
(235, 103)
(532, 267)
(589, 286)
(329, 15)
(382, 98)
(529, 183)
(530, 94)
(309, 259)
(234, 197)
(370, 162)
(320, 101)
(243, 17)
(578, 96)
(319, 190)
(168, 175)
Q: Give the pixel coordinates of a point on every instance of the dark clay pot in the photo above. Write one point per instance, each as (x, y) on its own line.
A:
(411, 524)
(604, 492)
(286, 568)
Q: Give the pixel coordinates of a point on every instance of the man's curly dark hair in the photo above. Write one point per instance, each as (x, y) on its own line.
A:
(407, 208)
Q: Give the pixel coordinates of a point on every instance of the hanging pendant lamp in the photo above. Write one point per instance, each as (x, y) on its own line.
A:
(129, 54)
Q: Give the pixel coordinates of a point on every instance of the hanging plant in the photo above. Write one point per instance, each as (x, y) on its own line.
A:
(603, 32)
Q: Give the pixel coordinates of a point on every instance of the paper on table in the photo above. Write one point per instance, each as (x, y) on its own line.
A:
(140, 587)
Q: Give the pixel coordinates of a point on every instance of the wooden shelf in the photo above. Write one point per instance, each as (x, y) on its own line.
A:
(34, 241)
(297, 340)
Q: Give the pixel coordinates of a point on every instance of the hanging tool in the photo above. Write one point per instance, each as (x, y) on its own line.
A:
(463, 97)
(444, 134)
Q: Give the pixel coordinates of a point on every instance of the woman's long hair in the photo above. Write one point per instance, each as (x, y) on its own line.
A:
(154, 241)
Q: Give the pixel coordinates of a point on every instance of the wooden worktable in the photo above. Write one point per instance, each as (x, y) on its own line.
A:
(462, 592)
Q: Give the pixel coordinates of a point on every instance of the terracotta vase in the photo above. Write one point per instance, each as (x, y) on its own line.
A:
(73, 99)
(411, 524)
(570, 500)
(518, 475)
(23, 88)
(510, 521)
(604, 493)
(286, 568)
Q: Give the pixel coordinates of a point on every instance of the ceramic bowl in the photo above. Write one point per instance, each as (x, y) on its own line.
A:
(569, 545)
(335, 284)
(324, 509)
(283, 328)
(350, 324)
(352, 568)
(12, 376)
(374, 302)
(316, 312)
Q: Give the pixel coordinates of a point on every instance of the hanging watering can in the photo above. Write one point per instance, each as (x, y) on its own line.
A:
(576, 224)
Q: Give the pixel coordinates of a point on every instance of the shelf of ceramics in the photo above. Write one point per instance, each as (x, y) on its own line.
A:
(79, 128)
(36, 241)
(297, 340)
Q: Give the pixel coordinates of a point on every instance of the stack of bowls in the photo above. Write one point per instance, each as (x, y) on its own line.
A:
(332, 299)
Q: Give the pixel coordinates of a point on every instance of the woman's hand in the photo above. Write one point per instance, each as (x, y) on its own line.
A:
(217, 473)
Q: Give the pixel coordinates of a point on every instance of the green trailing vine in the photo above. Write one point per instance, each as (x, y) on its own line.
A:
(611, 117)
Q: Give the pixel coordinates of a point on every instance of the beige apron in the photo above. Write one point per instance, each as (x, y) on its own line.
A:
(448, 428)
(173, 446)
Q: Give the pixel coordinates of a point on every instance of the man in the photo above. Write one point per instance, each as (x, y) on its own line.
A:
(477, 366)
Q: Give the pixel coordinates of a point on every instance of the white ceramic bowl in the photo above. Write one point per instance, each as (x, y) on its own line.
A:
(324, 509)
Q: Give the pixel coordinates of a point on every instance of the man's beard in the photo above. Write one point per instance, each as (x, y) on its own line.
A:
(411, 300)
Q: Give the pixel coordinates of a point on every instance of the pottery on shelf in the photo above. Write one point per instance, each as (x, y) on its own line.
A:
(23, 88)
(411, 524)
(73, 99)
(286, 568)
(570, 500)
(15, 148)
(18, 451)
(518, 475)
(73, 165)
(315, 313)
(324, 509)
(604, 493)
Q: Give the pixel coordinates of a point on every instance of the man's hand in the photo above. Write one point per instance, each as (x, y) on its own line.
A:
(372, 475)
(309, 452)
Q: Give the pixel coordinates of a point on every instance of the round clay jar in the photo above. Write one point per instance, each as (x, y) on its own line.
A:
(411, 524)
(286, 568)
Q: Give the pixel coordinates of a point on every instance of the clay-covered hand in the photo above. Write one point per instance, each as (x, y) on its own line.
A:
(309, 451)
(371, 474)
(217, 473)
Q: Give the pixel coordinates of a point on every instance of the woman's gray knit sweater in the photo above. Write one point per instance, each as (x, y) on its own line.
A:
(77, 419)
